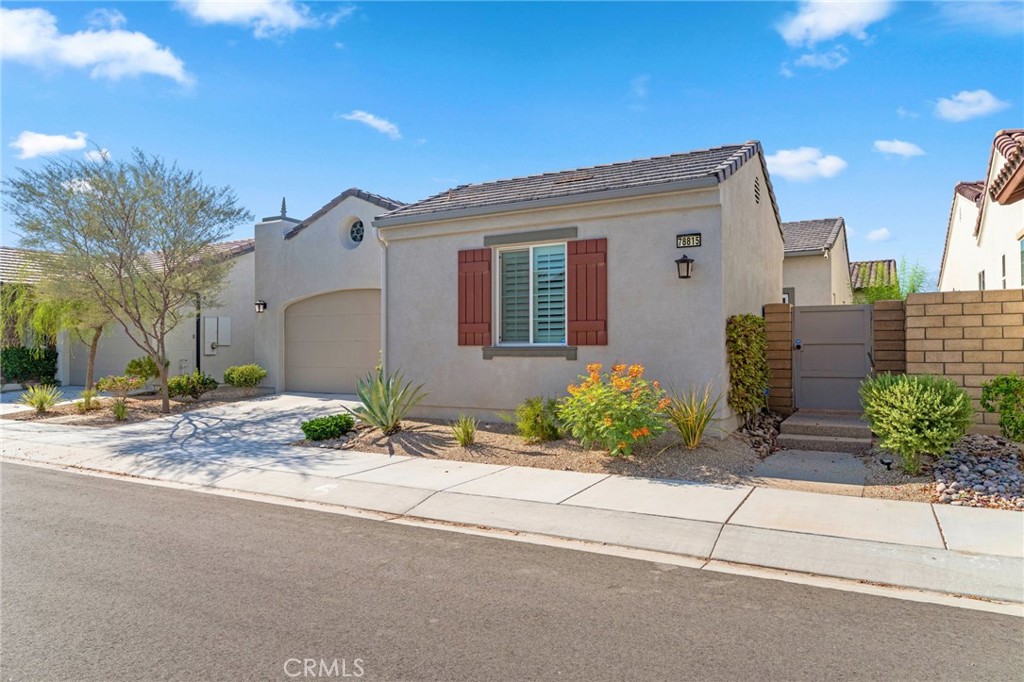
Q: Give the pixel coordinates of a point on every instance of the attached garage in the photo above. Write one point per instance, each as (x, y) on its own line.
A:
(331, 341)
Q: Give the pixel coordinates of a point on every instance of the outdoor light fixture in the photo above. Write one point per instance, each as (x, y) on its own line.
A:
(685, 267)
(261, 306)
(887, 461)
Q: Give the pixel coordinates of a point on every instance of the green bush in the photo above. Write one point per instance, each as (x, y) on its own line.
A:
(119, 408)
(19, 364)
(144, 368)
(464, 430)
(691, 413)
(912, 415)
(746, 345)
(191, 385)
(119, 386)
(1005, 395)
(41, 397)
(244, 376)
(324, 428)
(616, 410)
(88, 401)
(386, 400)
(537, 420)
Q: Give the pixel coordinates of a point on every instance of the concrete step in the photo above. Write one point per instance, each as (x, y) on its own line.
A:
(797, 441)
(826, 426)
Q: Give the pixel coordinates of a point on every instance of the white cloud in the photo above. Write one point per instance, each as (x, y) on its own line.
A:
(105, 18)
(30, 36)
(830, 60)
(1003, 18)
(968, 104)
(904, 113)
(340, 15)
(898, 147)
(804, 163)
(31, 145)
(785, 71)
(381, 125)
(97, 155)
(266, 18)
(77, 185)
(819, 20)
(879, 235)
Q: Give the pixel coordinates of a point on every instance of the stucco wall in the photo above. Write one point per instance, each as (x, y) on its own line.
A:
(237, 303)
(961, 265)
(839, 267)
(674, 327)
(319, 259)
(810, 277)
(116, 349)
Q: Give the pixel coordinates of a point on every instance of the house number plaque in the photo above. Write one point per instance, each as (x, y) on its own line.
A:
(685, 241)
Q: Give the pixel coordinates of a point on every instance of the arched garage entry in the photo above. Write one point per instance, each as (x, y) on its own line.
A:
(331, 341)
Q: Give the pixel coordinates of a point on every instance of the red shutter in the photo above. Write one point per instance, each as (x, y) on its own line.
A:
(475, 297)
(588, 292)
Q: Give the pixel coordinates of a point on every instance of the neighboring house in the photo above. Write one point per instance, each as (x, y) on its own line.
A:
(499, 291)
(320, 282)
(985, 234)
(816, 270)
(872, 273)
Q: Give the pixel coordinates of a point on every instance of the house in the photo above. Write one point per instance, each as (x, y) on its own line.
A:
(319, 285)
(984, 246)
(816, 270)
(873, 273)
(498, 291)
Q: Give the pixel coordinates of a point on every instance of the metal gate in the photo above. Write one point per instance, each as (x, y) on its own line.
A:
(831, 355)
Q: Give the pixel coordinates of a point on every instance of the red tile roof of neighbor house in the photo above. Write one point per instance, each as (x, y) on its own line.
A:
(972, 191)
(1008, 184)
(866, 273)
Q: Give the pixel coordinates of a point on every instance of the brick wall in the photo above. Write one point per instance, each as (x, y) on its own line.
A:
(890, 342)
(779, 326)
(967, 336)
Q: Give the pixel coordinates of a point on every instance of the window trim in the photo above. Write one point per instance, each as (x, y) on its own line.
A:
(496, 303)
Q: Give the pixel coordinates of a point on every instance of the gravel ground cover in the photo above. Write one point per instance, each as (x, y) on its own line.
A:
(981, 471)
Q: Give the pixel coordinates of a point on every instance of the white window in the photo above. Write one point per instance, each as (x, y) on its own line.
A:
(531, 295)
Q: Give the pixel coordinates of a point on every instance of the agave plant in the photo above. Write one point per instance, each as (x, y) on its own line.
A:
(42, 397)
(386, 400)
(691, 413)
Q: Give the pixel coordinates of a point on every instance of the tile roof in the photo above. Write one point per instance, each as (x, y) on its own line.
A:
(591, 183)
(383, 202)
(865, 273)
(811, 235)
(1009, 143)
(972, 191)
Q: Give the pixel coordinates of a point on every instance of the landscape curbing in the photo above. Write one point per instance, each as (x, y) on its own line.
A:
(975, 553)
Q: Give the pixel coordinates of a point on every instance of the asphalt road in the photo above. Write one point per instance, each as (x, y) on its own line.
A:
(112, 580)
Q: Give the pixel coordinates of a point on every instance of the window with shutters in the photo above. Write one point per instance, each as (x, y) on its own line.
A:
(531, 284)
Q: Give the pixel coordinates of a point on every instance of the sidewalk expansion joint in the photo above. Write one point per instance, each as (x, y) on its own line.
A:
(600, 480)
(718, 537)
(942, 535)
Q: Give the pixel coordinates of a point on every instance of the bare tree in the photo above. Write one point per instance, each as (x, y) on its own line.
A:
(138, 233)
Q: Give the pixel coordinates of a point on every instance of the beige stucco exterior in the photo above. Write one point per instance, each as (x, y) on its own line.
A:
(820, 278)
(319, 259)
(674, 327)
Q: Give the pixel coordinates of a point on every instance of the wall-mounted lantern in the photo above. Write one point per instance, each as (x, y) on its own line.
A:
(261, 306)
(685, 267)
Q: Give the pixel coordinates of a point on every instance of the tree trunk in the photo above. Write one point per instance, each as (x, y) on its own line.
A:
(91, 366)
(165, 394)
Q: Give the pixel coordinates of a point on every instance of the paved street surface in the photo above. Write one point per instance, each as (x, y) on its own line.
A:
(112, 580)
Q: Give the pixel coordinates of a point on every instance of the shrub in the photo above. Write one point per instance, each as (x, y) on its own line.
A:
(616, 410)
(41, 397)
(191, 385)
(691, 412)
(386, 400)
(244, 376)
(324, 428)
(88, 401)
(120, 409)
(144, 368)
(464, 430)
(1005, 395)
(746, 347)
(537, 420)
(915, 414)
(119, 386)
(19, 364)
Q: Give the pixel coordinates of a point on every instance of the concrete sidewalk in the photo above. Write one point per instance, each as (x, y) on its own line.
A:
(936, 548)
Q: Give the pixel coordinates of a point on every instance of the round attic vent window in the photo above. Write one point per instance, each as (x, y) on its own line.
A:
(355, 232)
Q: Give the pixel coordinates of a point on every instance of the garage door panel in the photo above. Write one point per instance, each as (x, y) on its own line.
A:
(331, 341)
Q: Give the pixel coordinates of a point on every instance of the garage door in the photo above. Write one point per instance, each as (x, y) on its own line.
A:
(331, 341)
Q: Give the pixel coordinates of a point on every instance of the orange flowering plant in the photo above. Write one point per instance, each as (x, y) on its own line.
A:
(616, 409)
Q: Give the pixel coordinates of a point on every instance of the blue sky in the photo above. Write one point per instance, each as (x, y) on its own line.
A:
(872, 110)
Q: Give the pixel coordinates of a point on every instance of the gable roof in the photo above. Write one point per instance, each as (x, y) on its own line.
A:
(376, 199)
(1008, 184)
(972, 191)
(866, 273)
(806, 236)
(700, 168)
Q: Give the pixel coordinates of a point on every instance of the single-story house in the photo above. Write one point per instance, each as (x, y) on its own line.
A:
(816, 270)
(984, 246)
(319, 286)
(867, 273)
(498, 291)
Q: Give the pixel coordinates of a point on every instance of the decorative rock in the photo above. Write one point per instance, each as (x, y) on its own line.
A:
(981, 471)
